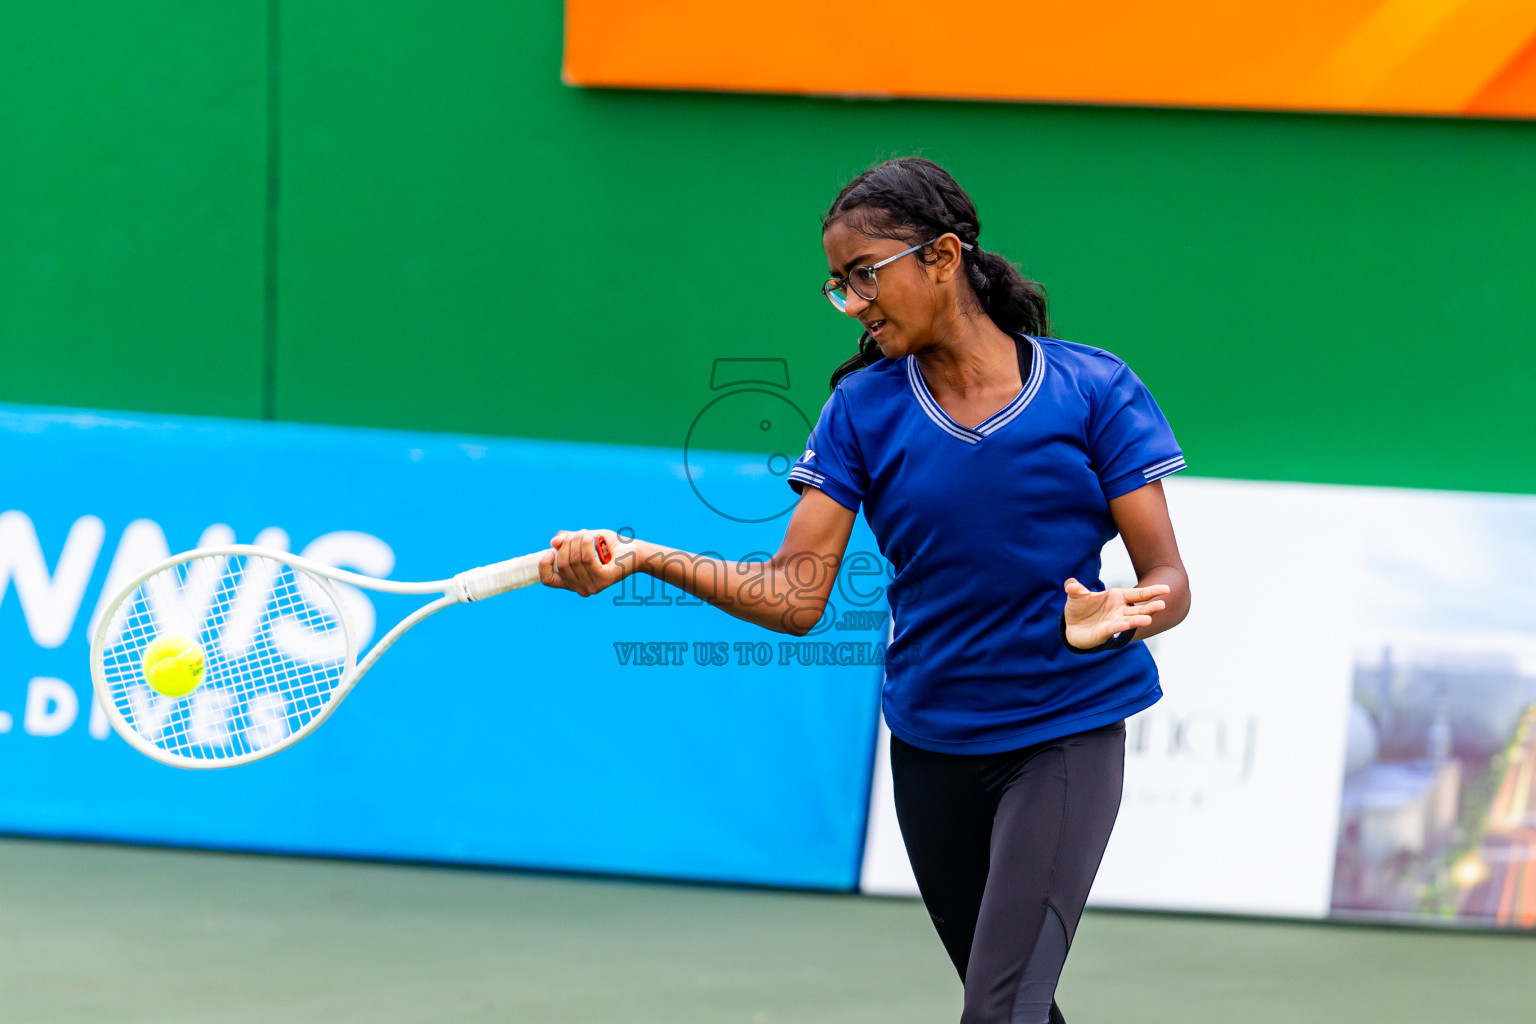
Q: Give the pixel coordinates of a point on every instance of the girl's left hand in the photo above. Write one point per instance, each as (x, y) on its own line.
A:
(1093, 617)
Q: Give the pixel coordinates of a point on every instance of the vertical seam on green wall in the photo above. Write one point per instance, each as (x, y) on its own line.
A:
(269, 254)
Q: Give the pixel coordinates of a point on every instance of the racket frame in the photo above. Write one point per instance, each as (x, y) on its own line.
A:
(471, 585)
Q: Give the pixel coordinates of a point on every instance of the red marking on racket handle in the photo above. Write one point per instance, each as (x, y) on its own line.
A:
(603, 554)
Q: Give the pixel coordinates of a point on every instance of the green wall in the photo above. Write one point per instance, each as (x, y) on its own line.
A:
(457, 241)
(132, 155)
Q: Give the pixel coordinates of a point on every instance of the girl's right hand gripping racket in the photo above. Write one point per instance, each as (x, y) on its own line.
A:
(264, 641)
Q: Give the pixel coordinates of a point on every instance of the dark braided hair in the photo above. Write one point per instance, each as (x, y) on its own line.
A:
(911, 199)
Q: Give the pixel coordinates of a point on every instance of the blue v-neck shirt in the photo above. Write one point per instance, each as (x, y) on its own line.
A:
(982, 526)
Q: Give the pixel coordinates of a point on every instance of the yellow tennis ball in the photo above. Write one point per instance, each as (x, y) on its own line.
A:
(173, 664)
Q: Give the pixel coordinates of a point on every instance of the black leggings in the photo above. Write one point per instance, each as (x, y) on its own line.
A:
(1005, 847)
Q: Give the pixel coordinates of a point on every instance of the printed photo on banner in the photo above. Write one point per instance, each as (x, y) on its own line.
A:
(1437, 821)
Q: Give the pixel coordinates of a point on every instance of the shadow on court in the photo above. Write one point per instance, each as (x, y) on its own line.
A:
(110, 934)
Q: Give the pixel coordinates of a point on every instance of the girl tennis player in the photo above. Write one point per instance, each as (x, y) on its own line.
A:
(993, 463)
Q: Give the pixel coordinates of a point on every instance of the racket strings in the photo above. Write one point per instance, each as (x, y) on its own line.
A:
(274, 652)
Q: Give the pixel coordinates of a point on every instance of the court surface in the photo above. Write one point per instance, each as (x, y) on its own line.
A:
(101, 933)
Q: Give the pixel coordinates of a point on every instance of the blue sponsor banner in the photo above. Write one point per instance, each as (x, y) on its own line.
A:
(635, 732)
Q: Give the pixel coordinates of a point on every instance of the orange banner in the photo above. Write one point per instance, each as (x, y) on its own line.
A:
(1475, 57)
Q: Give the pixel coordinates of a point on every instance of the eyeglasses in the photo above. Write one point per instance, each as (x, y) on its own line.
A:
(863, 281)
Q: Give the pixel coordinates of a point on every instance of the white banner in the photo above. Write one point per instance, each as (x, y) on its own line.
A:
(1233, 780)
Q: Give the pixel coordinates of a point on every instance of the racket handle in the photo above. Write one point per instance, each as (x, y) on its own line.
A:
(500, 577)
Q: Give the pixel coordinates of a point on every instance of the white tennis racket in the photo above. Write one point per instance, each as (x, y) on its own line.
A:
(279, 648)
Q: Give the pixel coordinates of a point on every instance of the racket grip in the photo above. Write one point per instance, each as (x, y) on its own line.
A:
(498, 577)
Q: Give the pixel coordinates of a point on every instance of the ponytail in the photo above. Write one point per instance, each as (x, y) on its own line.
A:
(868, 354)
(1014, 302)
(912, 199)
